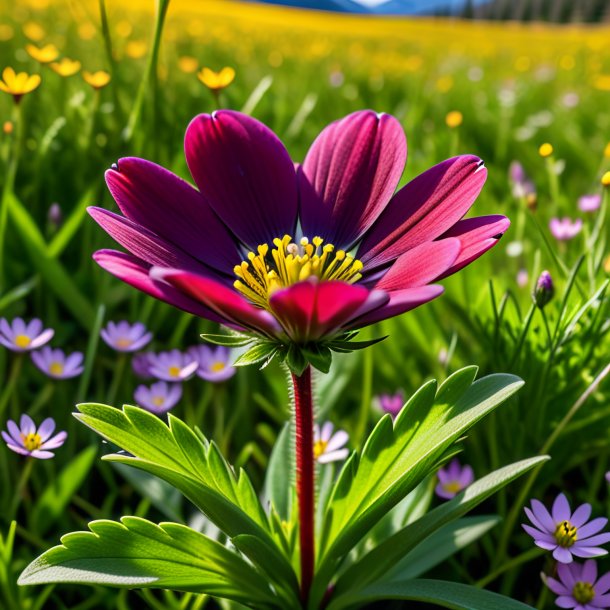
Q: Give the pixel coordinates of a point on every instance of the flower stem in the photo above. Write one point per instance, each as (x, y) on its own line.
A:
(21, 484)
(303, 403)
(10, 385)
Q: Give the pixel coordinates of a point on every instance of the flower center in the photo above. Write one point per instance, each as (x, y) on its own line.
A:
(565, 534)
(319, 447)
(268, 270)
(31, 441)
(158, 401)
(174, 371)
(123, 342)
(452, 487)
(583, 592)
(217, 367)
(56, 368)
(22, 341)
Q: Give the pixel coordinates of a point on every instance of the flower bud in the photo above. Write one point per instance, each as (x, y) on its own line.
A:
(544, 290)
(54, 215)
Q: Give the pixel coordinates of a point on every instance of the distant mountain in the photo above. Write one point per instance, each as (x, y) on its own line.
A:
(389, 7)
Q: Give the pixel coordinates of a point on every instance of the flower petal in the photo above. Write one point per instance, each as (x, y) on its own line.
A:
(476, 235)
(557, 586)
(136, 273)
(338, 440)
(244, 173)
(310, 310)
(225, 302)
(170, 207)
(424, 209)
(57, 441)
(46, 428)
(333, 456)
(349, 175)
(562, 555)
(592, 527)
(581, 515)
(561, 509)
(421, 265)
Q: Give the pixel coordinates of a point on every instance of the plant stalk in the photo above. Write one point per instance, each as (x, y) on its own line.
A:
(303, 403)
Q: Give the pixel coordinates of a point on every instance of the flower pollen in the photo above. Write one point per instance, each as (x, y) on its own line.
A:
(218, 366)
(158, 401)
(22, 341)
(565, 534)
(31, 441)
(261, 275)
(56, 368)
(319, 448)
(452, 487)
(583, 592)
(174, 371)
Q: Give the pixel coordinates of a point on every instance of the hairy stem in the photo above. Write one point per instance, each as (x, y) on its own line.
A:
(303, 403)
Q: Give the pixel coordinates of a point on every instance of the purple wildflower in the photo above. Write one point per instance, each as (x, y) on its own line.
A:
(452, 479)
(521, 183)
(392, 403)
(214, 362)
(172, 365)
(55, 363)
(578, 586)
(21, 336)
(160, 397)
(566, 533)
(589, 203)
(329, 447)
(564, 229)
(125, 337)
(27, 440)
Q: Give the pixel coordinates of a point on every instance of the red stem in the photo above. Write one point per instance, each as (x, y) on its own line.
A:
(305, 475)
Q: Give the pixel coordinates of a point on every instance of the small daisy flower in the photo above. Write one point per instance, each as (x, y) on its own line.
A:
(391, 403)
(578, 586)
(564, 229)
(159, 398)
(125, 337)
(452, 479)
(21, 336)
(589, 203)
(172, 365)
(522, 186)
(564, 532)
(329, 447)
(55, 363)
(26, 439)
(140, 365)
(214, 362)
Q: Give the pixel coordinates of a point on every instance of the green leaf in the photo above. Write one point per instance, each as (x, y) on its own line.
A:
(319, 356)
(351, 346)
(194, 466)
(397, 458)
(57, 495)
(385, 556)
(442, 593)
(261, 352)
(232, 340)
(138, 553)
(279, 477)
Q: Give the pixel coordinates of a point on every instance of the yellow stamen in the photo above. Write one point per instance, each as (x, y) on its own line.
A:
(565, 534)
(158, 401)
(123, 343)
(452, 487)
(319, 447)
(174, 371)
(287, 263)
(31, 441)
(56, 368)
(583, 592)
(217, 367)
(22, 341)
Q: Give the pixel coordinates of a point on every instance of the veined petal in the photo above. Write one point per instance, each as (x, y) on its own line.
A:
(349, 175)
(225, 301)
(170, 207)
(310, 310)
(245, 174)
(421, 265)
(424, 209)
(135, 272)
(476, 235)
(399, 302)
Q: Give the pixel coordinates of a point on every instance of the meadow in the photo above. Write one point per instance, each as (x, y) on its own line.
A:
(536, 95)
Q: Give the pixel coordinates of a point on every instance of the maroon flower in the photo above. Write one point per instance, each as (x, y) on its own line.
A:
(296, 257)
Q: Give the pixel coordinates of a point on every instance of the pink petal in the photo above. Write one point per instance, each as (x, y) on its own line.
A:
(227, 303)
(424, 209)
(244, 173)
(171, 208)
(349, 175)
(421, 265)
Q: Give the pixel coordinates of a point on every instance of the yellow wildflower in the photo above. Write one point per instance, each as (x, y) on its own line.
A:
(6, 32)
(216, 80)
(188, 64)
(45, 54)
(97, 80)
(66, 67)
(606, 179)
(8, 127)
(18, 84)
(86, 30)
(135, 49)
(545, 150)
(454, 119)
(607, 151)
(34, 31)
